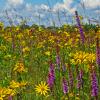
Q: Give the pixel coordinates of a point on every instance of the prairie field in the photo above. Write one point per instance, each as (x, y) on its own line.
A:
(43, 61)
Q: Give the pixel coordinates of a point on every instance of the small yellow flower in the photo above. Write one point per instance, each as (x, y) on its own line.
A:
(1, 98)
(4, 92)
(2, 95)
(23, 43)
(19, 36)
(26, 49)
(71, 94)
(40, 45)
(9, 91)
(14, 84)
(23, 84)
(3, 48)
(47, 53)
(19, 67)
(42, 88)
(67, 34)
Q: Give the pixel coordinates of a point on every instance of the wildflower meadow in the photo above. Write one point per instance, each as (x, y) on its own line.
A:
(50, 63)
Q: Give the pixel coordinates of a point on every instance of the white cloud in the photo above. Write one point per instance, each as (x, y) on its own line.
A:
(37, 10)
(15, 2)
(37, 14)
(68, 3)
(97, 11)
(44, 7)
(65, 5)
(59, 6)
(91, 3)
(29, 7)
(41, 7)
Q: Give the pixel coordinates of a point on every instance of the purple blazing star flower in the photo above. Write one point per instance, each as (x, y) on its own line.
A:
(65, 86)
(50, 80)
(64, 68)
(79, 26)
(52, 71)
(79, 82)
(51, 67)
(94, 84)
(58, 61)
(71, 79)
(10, 98)
(70, 75)
(80, 79)
(51, 76)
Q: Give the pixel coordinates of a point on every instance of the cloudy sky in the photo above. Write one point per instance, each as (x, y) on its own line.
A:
(48, 12)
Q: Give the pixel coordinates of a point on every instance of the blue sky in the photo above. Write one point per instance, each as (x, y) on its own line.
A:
(46, 11)
(34, 2)
(43, 1)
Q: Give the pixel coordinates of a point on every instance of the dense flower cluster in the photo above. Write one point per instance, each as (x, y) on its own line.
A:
(29, 48)
(81, 57)
(11, 90)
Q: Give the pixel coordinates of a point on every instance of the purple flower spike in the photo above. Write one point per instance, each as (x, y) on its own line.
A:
(50, 80)
(80, 79)
(71, 79)
(79, 26)
(65, 86)
(10, 98)
(58, 61)
(64, 68)
(94, 84)
(51, 76)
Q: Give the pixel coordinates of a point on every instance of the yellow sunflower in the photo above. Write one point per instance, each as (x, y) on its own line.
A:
(42, 88)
